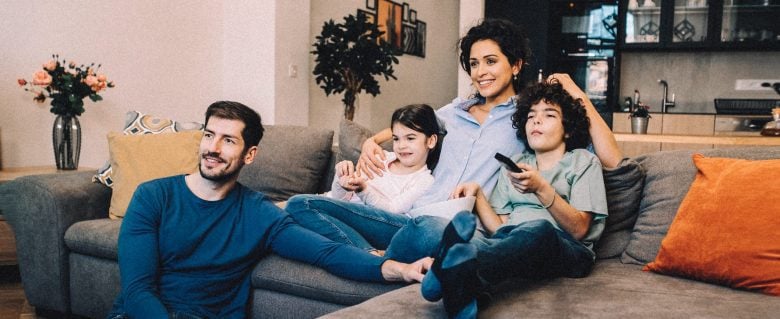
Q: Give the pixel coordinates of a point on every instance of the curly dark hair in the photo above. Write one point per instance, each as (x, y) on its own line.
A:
(575, 120)
(509, 37)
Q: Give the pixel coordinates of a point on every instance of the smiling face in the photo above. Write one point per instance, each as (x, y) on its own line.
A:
(544, 128)
(222, 152)
(491, 72)
(411, 146)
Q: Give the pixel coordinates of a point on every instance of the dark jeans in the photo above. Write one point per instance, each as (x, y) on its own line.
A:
(171, 315)
(532, 250)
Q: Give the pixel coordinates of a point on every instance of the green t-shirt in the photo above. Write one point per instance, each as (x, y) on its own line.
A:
(577, 178)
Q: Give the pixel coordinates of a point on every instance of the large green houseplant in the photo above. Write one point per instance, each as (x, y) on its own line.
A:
(349, 55)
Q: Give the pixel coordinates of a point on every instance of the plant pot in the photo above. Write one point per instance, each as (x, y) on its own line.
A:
(66, 139)
(639, 125)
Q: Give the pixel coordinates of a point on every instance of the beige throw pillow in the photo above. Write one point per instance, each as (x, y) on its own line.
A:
(139, 158)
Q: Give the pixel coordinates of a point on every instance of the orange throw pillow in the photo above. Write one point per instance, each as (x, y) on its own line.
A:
(727, 230)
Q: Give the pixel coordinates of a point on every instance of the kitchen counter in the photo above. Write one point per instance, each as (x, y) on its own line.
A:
(699, 139)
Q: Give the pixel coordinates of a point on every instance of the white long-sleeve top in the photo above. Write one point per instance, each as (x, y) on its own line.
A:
(392, 192)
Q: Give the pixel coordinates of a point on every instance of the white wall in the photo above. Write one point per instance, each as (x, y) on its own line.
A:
(174, 58)
(471, 13)
(169, 58)
(431, 80)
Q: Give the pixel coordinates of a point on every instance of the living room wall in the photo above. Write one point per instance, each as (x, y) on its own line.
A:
(173, 58)
(168, 58)
(432, 79)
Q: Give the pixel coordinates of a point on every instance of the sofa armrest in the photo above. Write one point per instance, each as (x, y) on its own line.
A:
(40, 209)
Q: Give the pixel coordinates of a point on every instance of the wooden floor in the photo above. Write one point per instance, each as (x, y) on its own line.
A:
(13, 305)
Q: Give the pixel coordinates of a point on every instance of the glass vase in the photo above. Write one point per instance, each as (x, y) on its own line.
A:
(66, 137)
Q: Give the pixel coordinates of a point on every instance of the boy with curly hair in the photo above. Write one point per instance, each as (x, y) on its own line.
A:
(540, 223)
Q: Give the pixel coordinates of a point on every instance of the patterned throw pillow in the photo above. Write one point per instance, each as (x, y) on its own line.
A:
(137, 123)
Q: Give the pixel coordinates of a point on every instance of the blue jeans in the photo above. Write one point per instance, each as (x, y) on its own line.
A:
(532, 250)
(364, 226)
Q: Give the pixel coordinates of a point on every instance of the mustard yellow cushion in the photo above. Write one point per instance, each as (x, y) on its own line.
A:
(727, 229)
(137, 123)
(139, 158)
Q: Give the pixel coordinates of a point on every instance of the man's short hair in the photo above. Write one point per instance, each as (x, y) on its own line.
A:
(229, 110)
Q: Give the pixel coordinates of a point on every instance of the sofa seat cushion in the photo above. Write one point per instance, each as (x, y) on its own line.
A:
(613, 290)
(296, 278)
(97, 237)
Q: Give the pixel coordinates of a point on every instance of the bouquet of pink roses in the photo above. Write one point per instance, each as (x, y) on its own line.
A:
(67, 85)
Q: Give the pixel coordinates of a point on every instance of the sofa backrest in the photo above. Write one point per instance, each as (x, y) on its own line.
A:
(669, 176)
(291, 160)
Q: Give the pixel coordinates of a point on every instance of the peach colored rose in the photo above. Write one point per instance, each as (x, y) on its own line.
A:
(50, 66)
(99, 86)
(91, 80)
(41, 78)
(22, 82)
(101, 78)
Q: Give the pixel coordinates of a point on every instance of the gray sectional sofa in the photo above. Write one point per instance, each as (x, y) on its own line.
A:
(67, 254)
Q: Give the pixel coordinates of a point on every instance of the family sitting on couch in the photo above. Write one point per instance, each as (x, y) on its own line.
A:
(546, 216)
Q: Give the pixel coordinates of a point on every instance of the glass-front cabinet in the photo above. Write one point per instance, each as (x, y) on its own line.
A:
(690, 21)
(749, 22)
(699, 24)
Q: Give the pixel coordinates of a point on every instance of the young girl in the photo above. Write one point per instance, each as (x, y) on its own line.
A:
(417, 140)
(539, 223)
(416, 148)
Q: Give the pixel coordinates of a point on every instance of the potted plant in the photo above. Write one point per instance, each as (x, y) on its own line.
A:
(640, 117)
(349, 55)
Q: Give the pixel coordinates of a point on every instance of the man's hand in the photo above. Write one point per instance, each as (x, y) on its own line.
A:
(414, 272)
(371, 159)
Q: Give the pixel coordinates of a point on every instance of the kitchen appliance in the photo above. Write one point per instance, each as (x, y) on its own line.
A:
(743, 116)
(582, 44)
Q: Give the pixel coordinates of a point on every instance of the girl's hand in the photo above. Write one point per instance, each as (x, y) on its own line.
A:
(357, 183)
(371, 159)
(465, 189)
(345, 168)
(529, 181)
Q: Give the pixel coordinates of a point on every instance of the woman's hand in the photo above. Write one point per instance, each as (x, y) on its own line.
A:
(465, 189)
(568, 84)
(371, 159)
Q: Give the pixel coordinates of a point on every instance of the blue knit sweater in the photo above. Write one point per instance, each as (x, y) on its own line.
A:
(178, 252)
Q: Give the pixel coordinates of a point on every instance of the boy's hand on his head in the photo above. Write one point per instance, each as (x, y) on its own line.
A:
(465, 189)
(371, 159)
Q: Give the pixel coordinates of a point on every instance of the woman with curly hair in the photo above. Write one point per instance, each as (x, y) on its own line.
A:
(541, 222)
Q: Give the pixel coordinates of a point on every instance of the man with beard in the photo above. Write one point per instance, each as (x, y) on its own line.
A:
(188, 243)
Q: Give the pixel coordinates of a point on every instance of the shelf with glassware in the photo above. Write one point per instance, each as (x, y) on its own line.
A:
(714, 25)
(751, 24)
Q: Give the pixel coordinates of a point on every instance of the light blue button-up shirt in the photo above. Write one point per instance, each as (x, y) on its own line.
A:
(468, 148)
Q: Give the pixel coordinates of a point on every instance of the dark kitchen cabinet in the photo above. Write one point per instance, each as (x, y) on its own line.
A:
(667, 25)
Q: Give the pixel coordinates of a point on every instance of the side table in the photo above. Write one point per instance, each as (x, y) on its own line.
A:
(7, 242)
